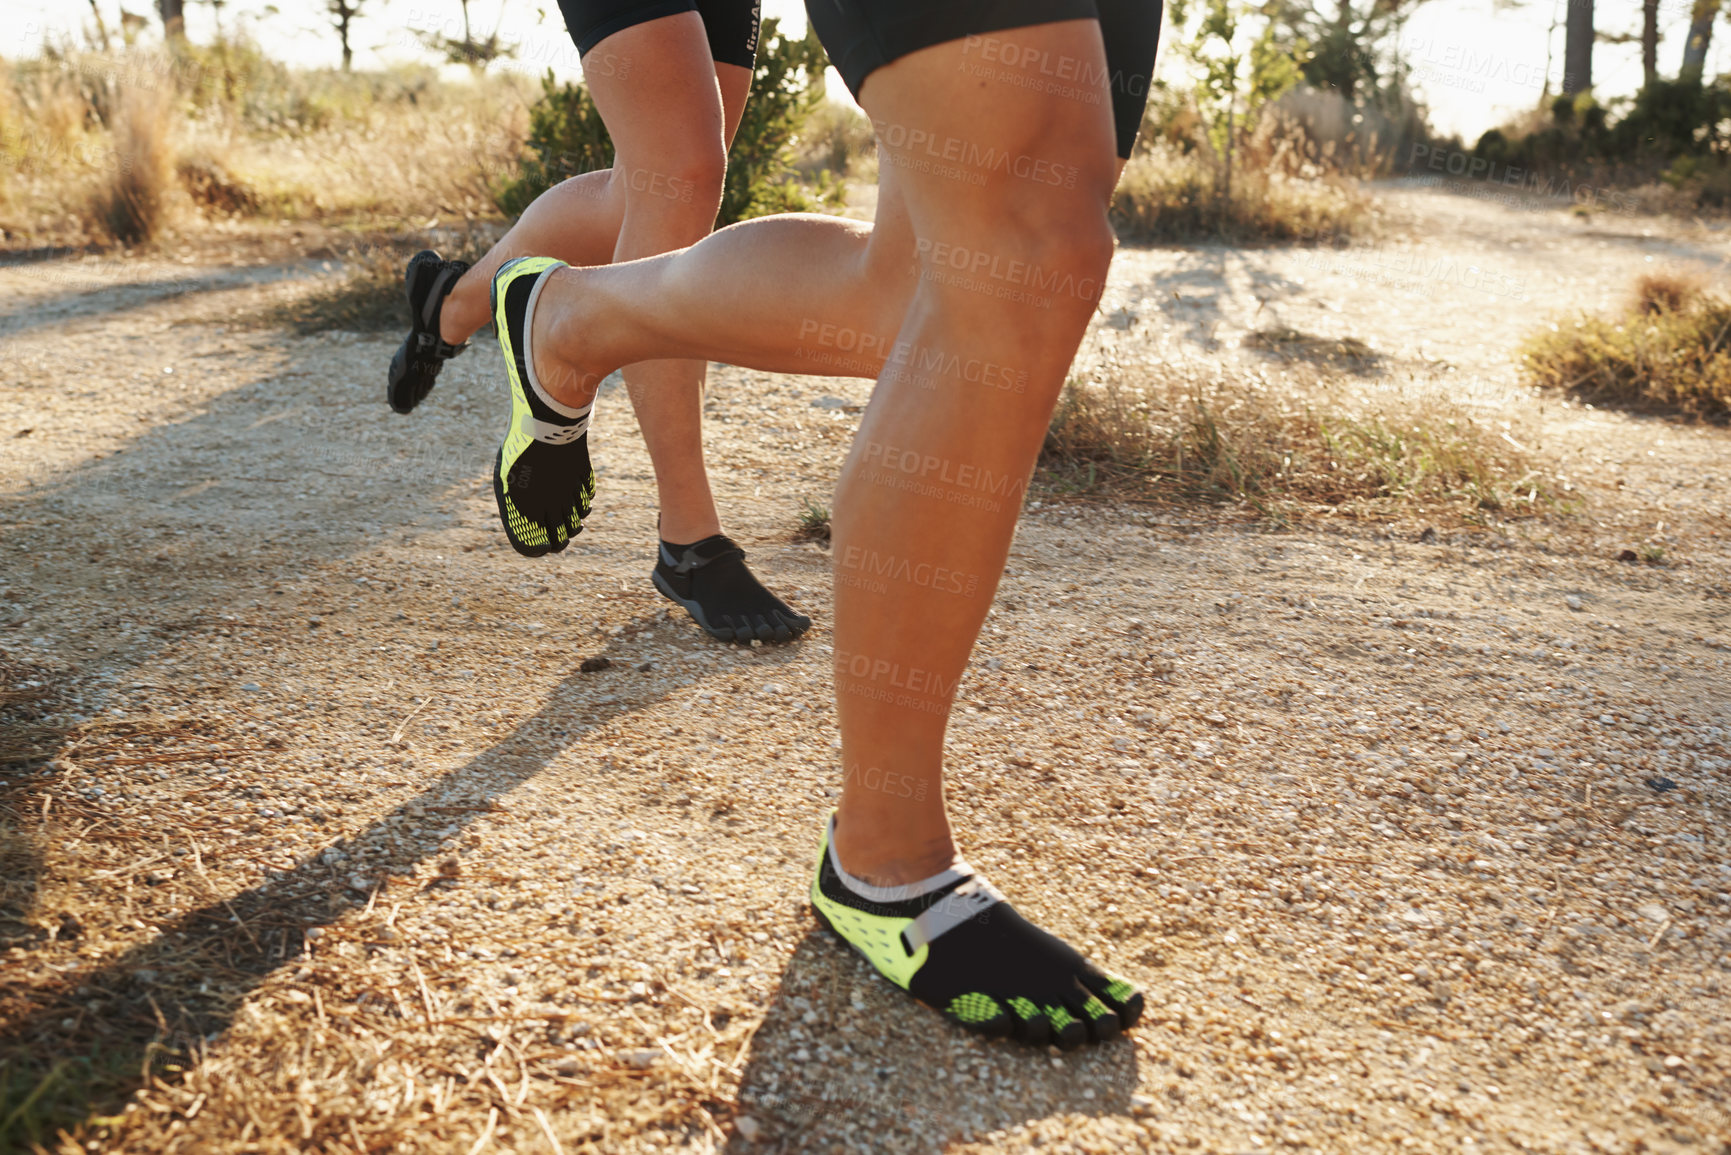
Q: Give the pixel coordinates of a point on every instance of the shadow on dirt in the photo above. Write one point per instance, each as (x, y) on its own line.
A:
(180, 538)
(946, 1095)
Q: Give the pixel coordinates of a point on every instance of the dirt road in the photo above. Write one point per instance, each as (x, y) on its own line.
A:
(1414, 844)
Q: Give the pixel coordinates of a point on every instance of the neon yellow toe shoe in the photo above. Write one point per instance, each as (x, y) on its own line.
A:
(955, 944)
(542, 479)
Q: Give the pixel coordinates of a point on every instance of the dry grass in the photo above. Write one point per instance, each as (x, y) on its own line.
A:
(1166, 434)
(1171, 195)
(134, 207)
(1668, 352)
(215, 190)
(113, 147)
(76, 1052)
(364, 291)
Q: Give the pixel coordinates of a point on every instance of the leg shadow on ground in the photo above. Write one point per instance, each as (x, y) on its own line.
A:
(187, 983)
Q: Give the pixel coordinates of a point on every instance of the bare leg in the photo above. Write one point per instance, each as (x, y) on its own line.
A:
(577, 220)
(1010, 274)
(668, 206)
(796, 293)
(1004, 273)
(671, 121)
(1007, 274)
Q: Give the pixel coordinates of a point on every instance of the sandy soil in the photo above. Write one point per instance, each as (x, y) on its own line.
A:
(1414, 844)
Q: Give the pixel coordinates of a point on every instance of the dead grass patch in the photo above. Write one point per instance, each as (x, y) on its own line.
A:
(1669, 351)
(1281, 452)
(214, 189)
(1170, 195)
(363, 292)
(134, 206)
(73, 1052)
(244, 136)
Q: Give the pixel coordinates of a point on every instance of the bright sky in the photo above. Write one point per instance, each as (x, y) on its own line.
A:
(1475, 61)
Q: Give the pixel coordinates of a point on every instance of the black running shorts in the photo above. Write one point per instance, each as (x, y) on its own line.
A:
(731, 24)
(862, 36)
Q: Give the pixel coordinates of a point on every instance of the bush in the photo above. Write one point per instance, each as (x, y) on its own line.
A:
(836, 139)
(1669, 352)
(214, 188)
(1674, 131)
(567, 137)
(786, 87)
(134, 205)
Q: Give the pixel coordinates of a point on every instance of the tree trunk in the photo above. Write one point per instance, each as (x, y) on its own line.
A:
(1700, 36)
(1649, 42)
(173, 20)
(1578, 48)
(101, 25)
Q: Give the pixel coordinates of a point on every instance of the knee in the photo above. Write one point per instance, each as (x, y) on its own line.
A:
(682, 185)
(1074, 235)
(1056, 261)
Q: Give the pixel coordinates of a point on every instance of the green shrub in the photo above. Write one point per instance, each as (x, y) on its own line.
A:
(1675, 130)
(837, 139)
(786, 87)
(567, 137)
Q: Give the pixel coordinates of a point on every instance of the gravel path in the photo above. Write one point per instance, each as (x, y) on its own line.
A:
(1414, 844)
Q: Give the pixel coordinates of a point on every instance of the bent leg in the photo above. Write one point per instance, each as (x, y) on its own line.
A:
(671, 120)
(792, 293)
(578, 221)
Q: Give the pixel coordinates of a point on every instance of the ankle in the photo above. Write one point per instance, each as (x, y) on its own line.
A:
(688, 530)
(568, 384)
(892, 856)
(455, 323)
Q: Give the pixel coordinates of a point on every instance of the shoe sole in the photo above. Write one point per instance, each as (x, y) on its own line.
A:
(696, 612)
(400, 363)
